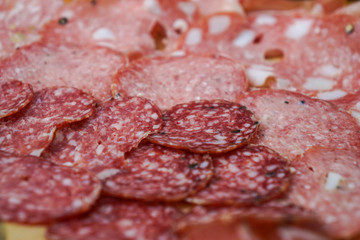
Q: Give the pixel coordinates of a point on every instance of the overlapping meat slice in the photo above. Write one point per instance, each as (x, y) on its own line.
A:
(58, 64)
(14, 95)
(207, 126)
(33, 190)
(154, 172)
(31, 130)
(291, 123)
(114, 219)
(99, 143)
(177, 79)
(245, 176)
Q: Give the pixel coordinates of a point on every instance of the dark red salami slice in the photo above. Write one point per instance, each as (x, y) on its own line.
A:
(153, 172)
(206, 126)
(99, 143)
(350, 103)
(14, 95)
(31, 130)
(114, 219)
(58, 64)
(326, 182)
(291, 123)
(178, 79)
(33, 190)
(245, 176)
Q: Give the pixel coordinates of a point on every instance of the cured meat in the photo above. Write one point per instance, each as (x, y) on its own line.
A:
(207, 7)
(245, 176)
(58, 64)
(350, 103)
(351, 9)
(14, 96)
(115, 219)
(154, 172)
(99, 143)
(31, 130)
(206, 126)
(326, 182)
(33, 190)
(177, 79)
(291, 123)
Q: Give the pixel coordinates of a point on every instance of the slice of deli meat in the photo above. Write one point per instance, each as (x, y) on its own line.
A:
(99, 143)
(153, 172)
(291, 123)
(350, 103)
(205, 126)
(14, 95)
(31, 130)
(114, 219)
(58, 64)
(245, 176)
(177, 79)
(326, 181)
(33, 190)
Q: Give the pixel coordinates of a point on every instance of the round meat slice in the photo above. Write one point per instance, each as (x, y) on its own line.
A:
(14, 96)
(33, 190)
(206, 126)
(114, 219)
(327, 182)
(178, 79)
(291, 123)
(58, 64)
(245, 176)
(153, 172)
(31, 130)
(98, 144)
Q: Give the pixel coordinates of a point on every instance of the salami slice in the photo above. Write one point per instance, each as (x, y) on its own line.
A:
(326, 182)
(14, 96)
(177, 79)
(59, 64)
(291, 123)
(350, 103)
(245, 176)
(115, 219)
(31, 130)
(99, 143)
(33, 190)
(154, 172)
(206, 126)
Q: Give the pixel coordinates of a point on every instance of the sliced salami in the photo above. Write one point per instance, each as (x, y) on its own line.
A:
(206, 126)
(153, 172)
(115, 219)
(14, 96)
(350, 103)
(31, 130)
(326, 182)
(178, 79)
(59, 64)
(207, 7)
(33, 190)
(99, 143)
(291, 123)
(245, 176)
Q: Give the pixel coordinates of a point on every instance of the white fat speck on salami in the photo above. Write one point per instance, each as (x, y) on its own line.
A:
(177, 79)
(207, 126)
(326, 181)
(14, 95)
(350, 103)
(291, 122)
(99, 143)
(31, 130)
(114, 219)
(245, 176)
(152, 172)
(33, 190)
(59, 64)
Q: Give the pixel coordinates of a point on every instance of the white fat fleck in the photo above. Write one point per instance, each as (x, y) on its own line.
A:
(188, 8)
(153, 6)
(356, 115)
(299, 28)
(318, 83)
(244, 38)
(265, 19)
(204, 165)
(58, 91)
(77, 203)
(258, 74)
(332, 181)
(329, 70)
(66, 182)
(218, 24)
(154, 116)
(180, 25)
(233, 168)
(332, 95)
(37, 152)
(194, 36)
(178, 53)
(103, 33)
(357, 106)
(107, 173)
(131, 233)
(14, 200)
(100, 149)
